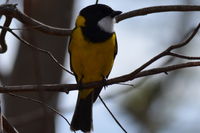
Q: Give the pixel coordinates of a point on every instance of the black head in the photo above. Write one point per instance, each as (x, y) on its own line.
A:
(94, 13)
(96, 22)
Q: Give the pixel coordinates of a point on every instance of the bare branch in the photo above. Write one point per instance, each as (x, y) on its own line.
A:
(113, 116)
(38, 49)
(167, 69)
(164, 53)
(183, 56)
(39, 102)
(157, 9)
(44, 87)
(97, 1)
(186, 41)
(72, 87)
(8, 128)
(152, 72)
(135, 74)
(12, 11)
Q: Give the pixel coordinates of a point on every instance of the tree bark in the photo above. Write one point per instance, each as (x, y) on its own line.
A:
(32, 67)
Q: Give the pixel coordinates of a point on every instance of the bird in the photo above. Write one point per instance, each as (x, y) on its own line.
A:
(92, 49)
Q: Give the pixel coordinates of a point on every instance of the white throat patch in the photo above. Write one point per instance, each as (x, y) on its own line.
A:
(107, 24)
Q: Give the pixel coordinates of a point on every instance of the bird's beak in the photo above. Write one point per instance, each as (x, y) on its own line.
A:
(115, 13)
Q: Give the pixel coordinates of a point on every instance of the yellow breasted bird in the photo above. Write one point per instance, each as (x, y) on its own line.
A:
(92, 48)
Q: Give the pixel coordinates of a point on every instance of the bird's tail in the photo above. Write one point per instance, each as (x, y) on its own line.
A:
(82, 118)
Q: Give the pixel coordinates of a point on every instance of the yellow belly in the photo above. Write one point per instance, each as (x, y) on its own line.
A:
(91, 61)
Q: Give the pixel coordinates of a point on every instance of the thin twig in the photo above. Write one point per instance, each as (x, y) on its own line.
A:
(8, 128)
(183, 56)
(162, 54)
(43, 104)
(115, 119)
(12, 11)
(186, 41)
(157, 9)
(38, 49)
(43, 87)
(126, 90)
(167, 69)
(39, 102)
(135, 73)
(72, 87)
(97, 1)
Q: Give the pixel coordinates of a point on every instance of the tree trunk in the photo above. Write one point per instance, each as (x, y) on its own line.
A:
(33, 67)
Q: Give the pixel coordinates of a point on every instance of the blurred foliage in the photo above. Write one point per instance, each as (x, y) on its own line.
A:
(139, 102)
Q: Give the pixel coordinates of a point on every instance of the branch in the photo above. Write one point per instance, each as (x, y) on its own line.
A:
(166, 69)
(135, 74)
(97, 1)
(12, 11)
(183, 56)
(37, 48)
(157, 9)
(72, 87)
(7, 127)
(112, 115)
(41, 103)
(164, 53)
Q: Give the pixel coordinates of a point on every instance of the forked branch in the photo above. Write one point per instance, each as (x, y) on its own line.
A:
(11, 11)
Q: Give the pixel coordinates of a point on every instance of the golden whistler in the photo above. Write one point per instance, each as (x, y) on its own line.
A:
(92, 48)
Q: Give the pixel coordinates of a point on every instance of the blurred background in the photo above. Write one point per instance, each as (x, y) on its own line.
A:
(154, 104)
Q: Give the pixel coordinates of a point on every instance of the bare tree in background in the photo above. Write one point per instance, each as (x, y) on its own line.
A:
(32, 67)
